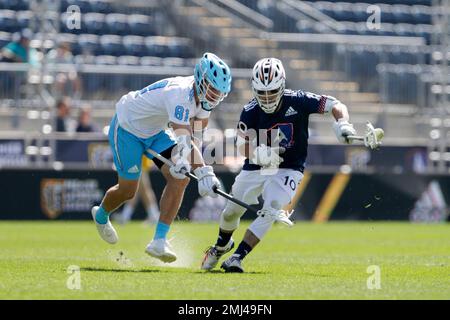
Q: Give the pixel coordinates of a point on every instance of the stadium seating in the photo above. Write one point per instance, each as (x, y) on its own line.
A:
(8, 21)
(357, 12)
(114, 33)
(14, 4)
(95, 22)
(141, 25)
(358, 63)
(398, 18)
(5, 38)
(151, 61)
(117, 23)
(135, 45)
(106, 29)
(111, 45)
(87, 43)
(110, 33)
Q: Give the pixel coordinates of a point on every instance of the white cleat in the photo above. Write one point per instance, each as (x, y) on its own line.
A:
(160, 249)
(213, 254)
(232, 264)
(106, 231)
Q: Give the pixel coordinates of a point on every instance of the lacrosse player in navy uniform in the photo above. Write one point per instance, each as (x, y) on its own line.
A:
(273, 136)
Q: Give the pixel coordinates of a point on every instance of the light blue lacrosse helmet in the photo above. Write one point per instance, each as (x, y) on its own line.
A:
(212, 80)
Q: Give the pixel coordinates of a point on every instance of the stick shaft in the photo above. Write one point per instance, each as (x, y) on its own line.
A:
(193, 176)
(361, 138)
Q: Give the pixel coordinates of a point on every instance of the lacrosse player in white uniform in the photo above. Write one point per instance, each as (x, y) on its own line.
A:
(274, 161)
(140, 124)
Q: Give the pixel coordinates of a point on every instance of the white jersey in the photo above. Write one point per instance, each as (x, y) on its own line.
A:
(146, 112)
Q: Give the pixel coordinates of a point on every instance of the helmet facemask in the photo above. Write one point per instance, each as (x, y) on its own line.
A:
(208, 95)
(269, 100)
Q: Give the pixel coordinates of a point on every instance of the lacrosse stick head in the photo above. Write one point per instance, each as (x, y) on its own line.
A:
(373, 136)
(277, 215)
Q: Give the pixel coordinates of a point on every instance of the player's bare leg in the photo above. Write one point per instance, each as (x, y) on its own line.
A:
(172, 196)
(147, 196)
(170, 204)
(124, 190)
(129, 207)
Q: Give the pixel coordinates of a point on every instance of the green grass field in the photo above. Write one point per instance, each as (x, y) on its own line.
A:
(308, 261)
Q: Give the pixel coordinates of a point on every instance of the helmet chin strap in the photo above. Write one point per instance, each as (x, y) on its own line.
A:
(204, 104)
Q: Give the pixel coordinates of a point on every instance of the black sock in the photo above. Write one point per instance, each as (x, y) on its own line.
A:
(223, 238)
(243, 250)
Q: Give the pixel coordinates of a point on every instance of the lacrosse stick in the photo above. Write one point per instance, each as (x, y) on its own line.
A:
(279, 217)
(372, 138)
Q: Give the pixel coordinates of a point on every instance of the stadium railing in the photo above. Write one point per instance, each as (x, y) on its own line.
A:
(85, 151)
(106, 82)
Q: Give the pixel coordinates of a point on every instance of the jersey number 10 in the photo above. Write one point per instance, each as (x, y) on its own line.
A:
(290, 182)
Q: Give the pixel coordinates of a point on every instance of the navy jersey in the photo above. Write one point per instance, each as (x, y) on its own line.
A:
(289, 123)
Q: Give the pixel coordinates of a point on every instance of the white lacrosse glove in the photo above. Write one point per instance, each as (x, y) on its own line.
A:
(183, 151)
(180, 168)
(207, 181)
(266, 156)
(277, 215)
(342, 128)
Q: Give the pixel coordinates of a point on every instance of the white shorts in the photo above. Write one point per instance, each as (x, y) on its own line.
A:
(249, 185)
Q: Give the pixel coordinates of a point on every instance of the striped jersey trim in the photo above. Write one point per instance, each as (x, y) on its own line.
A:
(322, 103)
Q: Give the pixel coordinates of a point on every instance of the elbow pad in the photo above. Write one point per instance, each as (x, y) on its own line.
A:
(330, 102)
(184, 146)
(197, 135)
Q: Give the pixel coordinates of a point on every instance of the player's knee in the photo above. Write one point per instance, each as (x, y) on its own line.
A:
(232, 212)
(229, 222)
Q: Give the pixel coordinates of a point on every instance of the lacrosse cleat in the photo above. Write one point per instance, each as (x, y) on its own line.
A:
(160, 249)
(106, 231)
(232, 264)
(213, 254)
